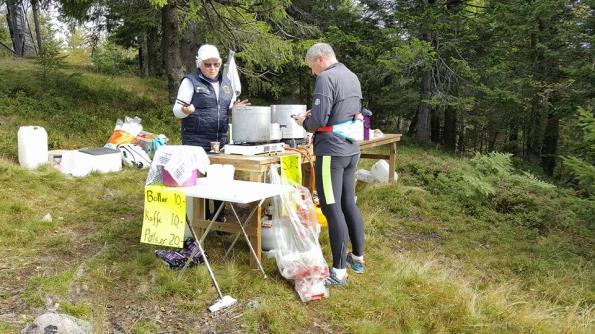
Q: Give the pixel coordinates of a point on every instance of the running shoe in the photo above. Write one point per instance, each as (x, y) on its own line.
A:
(333, 280)
(356, 265)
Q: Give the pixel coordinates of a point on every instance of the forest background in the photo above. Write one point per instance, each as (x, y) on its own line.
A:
(469, 76)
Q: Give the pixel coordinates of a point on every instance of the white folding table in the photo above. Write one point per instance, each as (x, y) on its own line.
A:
(230, 193)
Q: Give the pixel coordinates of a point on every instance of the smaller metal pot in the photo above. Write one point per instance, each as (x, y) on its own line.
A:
(275, 130)
(281, 113)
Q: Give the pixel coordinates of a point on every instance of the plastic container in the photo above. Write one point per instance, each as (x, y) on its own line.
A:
(75, 164)
(380, 171)
(220, 174)
(320, 216)
(268, 241)
(102, 159)
(169, 181)
(33, 146)
(367, 126)
(228, 172)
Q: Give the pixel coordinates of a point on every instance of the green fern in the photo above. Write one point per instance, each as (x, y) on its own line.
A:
(537, 182)
(476, 187)
(495, 163)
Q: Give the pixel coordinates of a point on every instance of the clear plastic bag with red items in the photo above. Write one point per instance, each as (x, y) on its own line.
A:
(296, 230)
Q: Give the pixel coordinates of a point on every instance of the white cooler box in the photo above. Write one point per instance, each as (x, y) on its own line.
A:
(87, 160)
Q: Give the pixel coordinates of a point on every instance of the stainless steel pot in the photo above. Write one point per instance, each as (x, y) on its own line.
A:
(275, 135)
(251, 124)
(281, 113)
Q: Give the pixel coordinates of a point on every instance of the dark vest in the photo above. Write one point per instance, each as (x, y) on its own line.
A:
(209, 121)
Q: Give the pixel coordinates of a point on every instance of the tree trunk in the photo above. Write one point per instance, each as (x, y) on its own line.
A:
(435, 126)
(492, 140)
(143, 56)
(450, 129)
(20, 34)
(191, 41)
(173, 61)
(534, 134)
(550, 143)
(513, 138)
(461, 142)
(35, 8)
(154, 55)
(413, 125)
(424, 109)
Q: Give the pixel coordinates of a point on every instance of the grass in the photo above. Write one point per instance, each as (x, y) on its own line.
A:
(440, 258)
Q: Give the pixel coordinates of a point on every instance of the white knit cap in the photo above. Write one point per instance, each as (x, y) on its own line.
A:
(207, 51)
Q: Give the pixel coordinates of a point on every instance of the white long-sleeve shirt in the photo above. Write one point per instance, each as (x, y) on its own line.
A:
(185, 93)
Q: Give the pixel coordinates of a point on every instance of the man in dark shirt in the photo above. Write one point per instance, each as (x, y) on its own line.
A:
(336, 99)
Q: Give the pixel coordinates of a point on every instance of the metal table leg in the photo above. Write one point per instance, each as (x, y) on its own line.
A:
(248, 239)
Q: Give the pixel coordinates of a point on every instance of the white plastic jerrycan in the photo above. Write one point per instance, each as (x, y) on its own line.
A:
(33, 146)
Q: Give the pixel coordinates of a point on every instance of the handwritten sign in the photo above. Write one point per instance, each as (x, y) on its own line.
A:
(164, 217)
(291, 168)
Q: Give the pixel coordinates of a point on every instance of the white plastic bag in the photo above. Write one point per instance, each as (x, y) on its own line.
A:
(134, 156)
(380, 171)
(296, 230)
(365, 176)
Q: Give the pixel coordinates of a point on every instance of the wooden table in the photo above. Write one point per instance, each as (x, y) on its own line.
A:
(258, 165)
(389, 140)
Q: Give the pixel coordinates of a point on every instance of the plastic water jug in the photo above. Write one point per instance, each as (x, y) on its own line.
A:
(33, 146)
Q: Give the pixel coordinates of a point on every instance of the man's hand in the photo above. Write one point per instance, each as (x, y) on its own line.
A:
(299, 119)
(241, 103)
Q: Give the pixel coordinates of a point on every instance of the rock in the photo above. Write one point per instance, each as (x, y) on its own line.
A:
(56, 323)
(47, 218)
(253, 304)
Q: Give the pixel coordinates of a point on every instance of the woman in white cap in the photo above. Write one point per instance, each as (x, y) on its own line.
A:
(203, 103)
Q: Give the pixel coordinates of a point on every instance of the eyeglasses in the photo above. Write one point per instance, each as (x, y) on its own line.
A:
(214, 65)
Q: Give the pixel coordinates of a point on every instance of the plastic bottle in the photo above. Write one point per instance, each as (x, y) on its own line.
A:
(33, 146)
(268, 241)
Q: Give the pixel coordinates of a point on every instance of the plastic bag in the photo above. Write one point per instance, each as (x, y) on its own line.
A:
(134, 156)
(365, 176)
(296, 230)
(125, 132)
(350, 130)
(150, 142)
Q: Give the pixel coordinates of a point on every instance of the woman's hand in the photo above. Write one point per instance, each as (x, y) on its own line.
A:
(241, 103)
(189, 109)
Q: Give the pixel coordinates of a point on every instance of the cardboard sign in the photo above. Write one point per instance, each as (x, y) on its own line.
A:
(164, 217)
(291, 168)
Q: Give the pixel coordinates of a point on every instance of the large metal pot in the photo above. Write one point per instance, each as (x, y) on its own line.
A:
(281, 113)
(250, 124)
